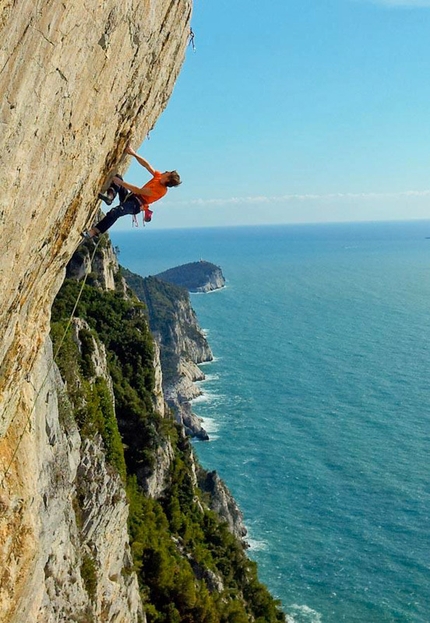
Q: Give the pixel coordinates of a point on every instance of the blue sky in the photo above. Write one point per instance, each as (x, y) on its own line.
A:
(292, 111)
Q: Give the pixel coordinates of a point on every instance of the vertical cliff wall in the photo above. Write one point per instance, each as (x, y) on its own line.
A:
(78, 81)
(182, 345)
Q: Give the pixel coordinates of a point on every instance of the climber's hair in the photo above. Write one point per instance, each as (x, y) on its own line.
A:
(174, 179)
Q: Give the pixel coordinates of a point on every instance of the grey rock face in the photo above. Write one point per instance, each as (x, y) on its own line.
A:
(223, 503)
(71, 509)
(78, 81)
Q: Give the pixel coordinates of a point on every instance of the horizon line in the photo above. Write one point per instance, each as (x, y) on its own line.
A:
(300, 197)
(278, 224)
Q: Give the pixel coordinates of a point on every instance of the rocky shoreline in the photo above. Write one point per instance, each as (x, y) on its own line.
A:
(183, 345)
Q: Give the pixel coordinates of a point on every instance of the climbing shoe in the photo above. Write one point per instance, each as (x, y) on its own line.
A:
(106, 198)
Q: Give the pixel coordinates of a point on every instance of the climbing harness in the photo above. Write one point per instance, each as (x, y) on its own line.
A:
(144, 210)
(146, 217)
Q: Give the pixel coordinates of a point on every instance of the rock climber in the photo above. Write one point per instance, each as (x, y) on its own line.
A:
(132, 198)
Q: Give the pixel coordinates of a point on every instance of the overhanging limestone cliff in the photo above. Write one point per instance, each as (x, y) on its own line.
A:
(78, 81)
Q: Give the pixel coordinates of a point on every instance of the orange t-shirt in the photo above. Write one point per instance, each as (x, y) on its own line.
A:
(156, 187)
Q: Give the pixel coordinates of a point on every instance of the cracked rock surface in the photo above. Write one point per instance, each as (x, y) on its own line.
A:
(79, 80)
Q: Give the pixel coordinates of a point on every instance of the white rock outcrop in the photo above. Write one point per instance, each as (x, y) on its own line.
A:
(78, 80)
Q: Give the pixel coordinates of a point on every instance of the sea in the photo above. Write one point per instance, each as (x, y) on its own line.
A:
(317, 405)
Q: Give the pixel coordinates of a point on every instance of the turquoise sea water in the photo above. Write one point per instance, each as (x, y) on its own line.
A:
(318, 405)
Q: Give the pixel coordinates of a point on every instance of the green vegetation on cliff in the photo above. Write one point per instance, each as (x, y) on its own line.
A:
(191, 569)
(121, 326)
(163, 300)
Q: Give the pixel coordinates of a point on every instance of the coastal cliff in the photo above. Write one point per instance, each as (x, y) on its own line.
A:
(186, 532)
(78, 81)
(182, 345)
(201, 276)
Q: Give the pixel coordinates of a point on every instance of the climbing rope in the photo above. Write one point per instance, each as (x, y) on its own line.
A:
(191, 40)
(69, 322)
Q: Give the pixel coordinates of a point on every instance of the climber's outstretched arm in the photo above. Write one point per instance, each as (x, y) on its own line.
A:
(144, 163)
